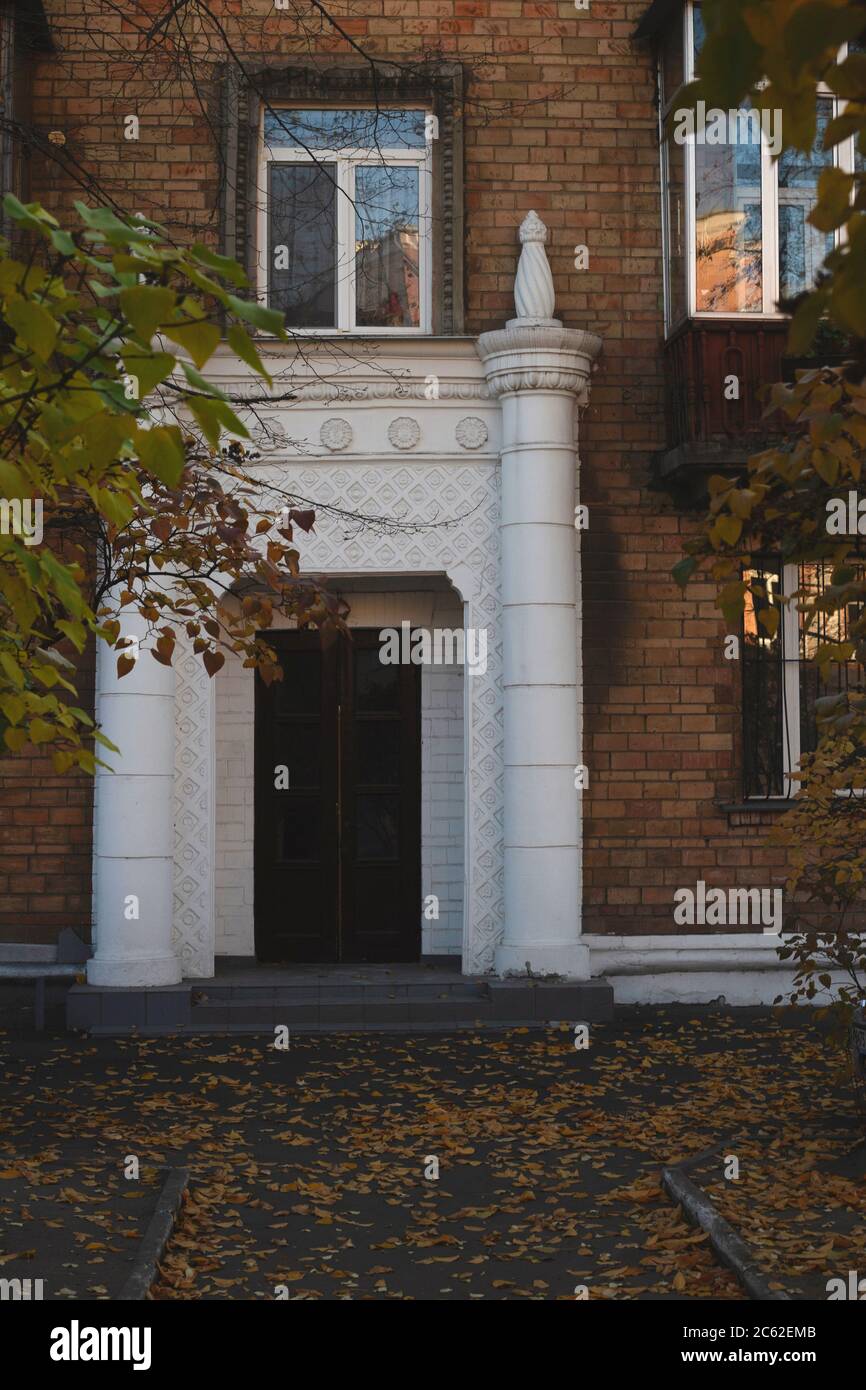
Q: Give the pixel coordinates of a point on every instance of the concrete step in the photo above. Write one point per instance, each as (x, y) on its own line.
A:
(190, 1009)
(340, 992)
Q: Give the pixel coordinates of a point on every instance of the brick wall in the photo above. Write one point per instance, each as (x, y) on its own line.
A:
(559, 116)
(45, 842)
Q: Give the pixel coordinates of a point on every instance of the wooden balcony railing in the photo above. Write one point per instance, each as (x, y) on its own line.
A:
(699, 357)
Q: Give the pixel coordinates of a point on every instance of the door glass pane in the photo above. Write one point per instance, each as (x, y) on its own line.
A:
(728, 278)
(299, 692)
(386, 246)
(298, 829)
(378, 751)
(699, 32)
(377, 687)
(377, 826)
(388, 128)
(302, 243)
(802, 247)
(297, 746)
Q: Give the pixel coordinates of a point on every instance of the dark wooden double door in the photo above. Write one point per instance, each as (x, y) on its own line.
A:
(338, 852)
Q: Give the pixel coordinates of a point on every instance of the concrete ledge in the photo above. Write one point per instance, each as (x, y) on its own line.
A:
(155, 1239)
(730, 1248)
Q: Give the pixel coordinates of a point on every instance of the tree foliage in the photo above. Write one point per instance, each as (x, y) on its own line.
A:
(147, 500)
(776, 54)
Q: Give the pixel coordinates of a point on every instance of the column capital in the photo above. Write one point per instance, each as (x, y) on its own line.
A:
(528, 356)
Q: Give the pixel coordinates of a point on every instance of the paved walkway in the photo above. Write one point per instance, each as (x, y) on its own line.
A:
(313, 1169)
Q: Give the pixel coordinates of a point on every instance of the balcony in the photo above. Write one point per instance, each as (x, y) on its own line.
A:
(705, 432)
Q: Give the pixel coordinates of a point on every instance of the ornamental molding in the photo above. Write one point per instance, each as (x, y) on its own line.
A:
(194, 813)
(328, 392)
(529, 357)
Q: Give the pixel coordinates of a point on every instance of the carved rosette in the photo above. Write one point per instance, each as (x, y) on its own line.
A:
(471, 432)
(404, 433)
(335, 434)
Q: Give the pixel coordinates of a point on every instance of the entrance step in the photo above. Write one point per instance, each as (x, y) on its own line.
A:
(319, 1006)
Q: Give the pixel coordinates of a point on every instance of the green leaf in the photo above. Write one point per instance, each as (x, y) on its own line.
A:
(149, 369)
(834, 200)
(269, 320)
(161, 452)
(201, 383)
(684, 569)
(241, 343)
(224, 265)
(200, 340)
(804, 324)
(215, 416)
(12, 481)
(33, 325)
(32, 215)
(103, 220)
(146, 307)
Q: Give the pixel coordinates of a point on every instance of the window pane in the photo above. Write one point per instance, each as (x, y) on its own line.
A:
(388, 129)
(298, 831)
(302, 243)
(377, 687)
(378, 752)
(386, 247)
(378, 827)
(802, 248)
(675, 192)
(728, 276)
(297, 746)
(763, 694)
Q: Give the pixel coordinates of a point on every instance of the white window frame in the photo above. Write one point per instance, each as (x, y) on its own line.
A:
(843, 158)
(346, 161)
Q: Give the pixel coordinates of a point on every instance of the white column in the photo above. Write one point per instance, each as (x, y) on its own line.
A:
(539, 369)
(134, 822)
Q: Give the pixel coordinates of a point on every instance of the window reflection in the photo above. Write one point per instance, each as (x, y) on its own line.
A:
(802, 248)
(728, 273)
(386, 231)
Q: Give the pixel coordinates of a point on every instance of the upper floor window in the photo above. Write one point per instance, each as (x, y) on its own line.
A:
(345, 223)
(736, 203)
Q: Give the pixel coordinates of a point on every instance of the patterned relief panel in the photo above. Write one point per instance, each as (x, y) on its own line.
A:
(456, 507)
(193, 917)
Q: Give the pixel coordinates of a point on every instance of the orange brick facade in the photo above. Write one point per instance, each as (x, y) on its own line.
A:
(560, 116)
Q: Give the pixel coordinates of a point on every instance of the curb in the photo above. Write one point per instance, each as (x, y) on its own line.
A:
(154, 1240)
(730, 1248)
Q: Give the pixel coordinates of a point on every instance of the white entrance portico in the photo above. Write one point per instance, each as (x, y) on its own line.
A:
(470, 448)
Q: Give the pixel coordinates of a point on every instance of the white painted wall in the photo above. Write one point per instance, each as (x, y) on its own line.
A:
(442, 781)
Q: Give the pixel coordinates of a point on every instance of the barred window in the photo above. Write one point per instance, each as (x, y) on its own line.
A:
(781, 681)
